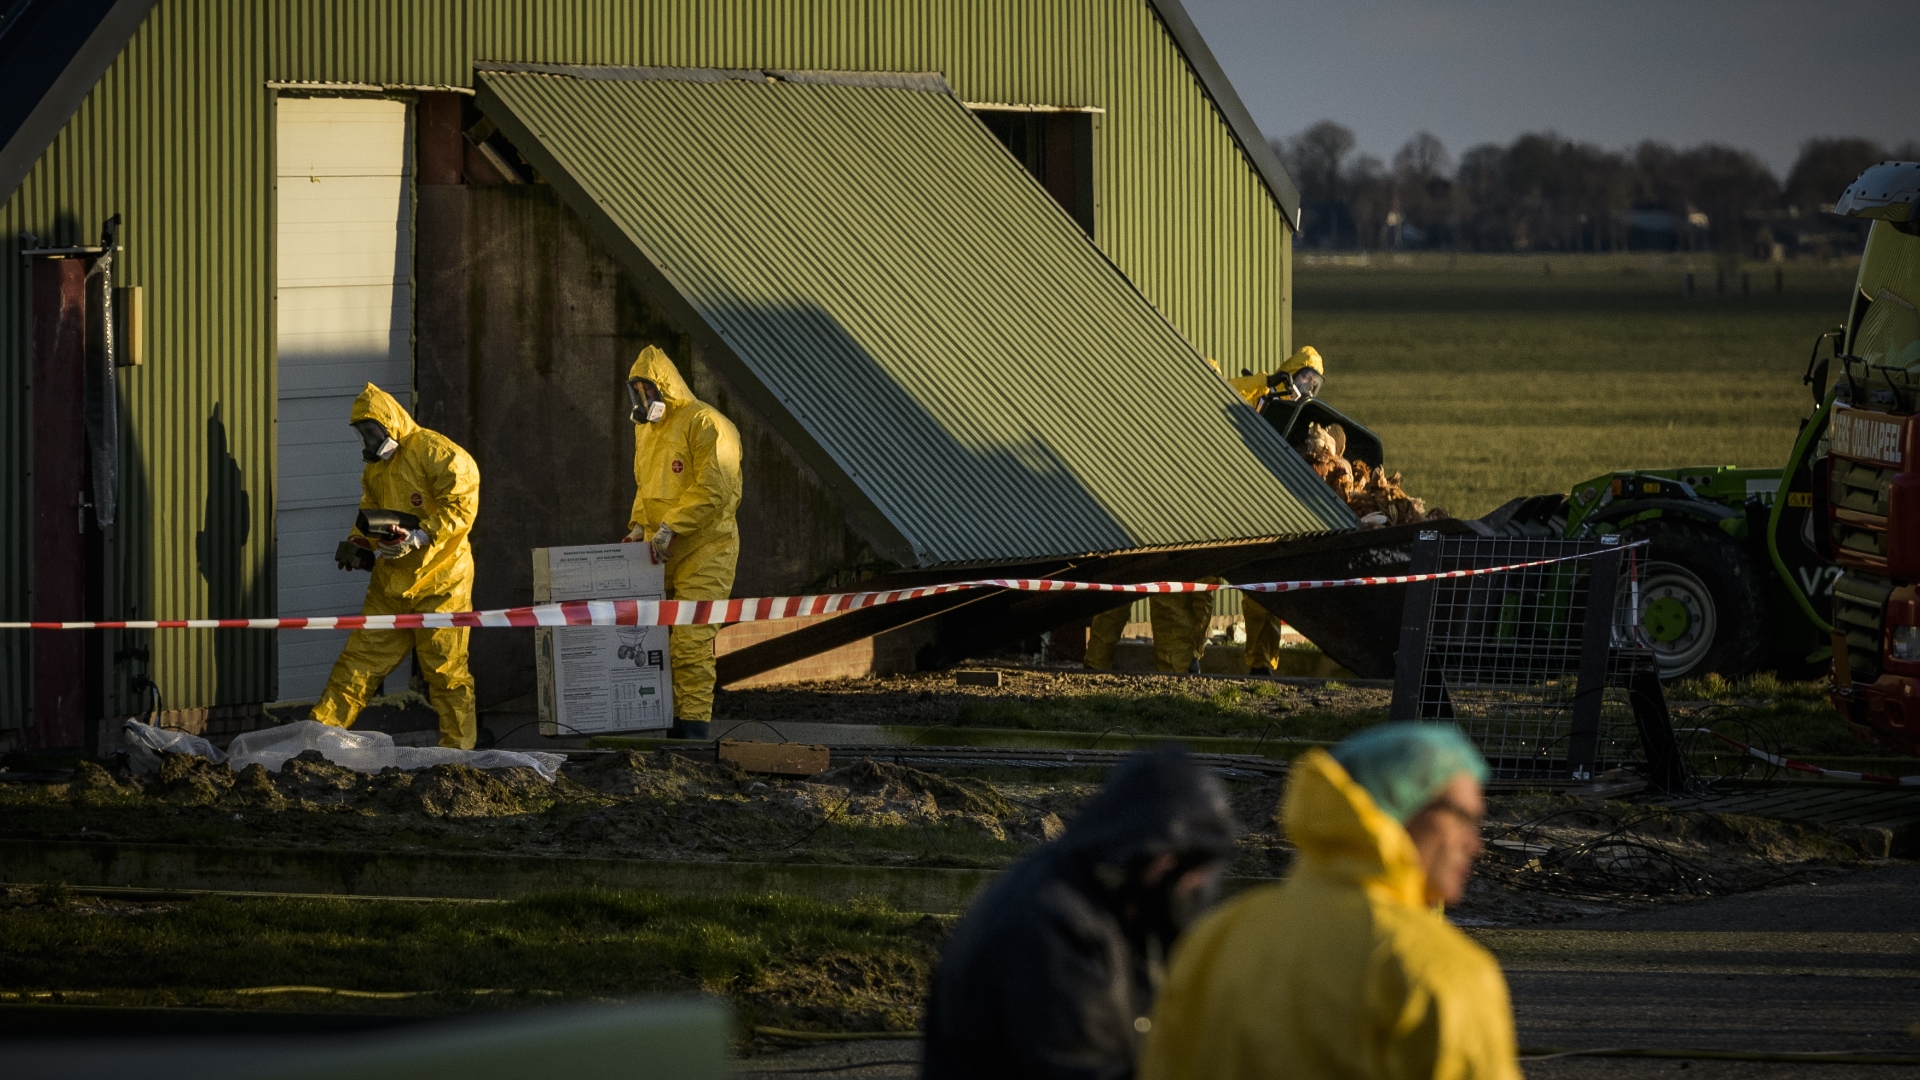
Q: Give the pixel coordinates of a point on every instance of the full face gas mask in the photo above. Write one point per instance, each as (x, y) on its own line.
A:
(1306, 383)
(648, 408)
(376, 443)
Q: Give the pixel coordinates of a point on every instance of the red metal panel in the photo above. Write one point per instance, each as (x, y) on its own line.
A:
(59, 478)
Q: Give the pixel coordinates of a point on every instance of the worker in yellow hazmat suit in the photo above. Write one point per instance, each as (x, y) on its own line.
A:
(1103, 633)
(1180, 625)
(1347, 968)
(1263, 636)
(1180, 622)
(429, 568)
(1301, 375)
(686, 467)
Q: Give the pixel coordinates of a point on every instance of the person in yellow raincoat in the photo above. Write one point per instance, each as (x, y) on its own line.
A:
(1347, 968)
(686, 468)
(430, 568)
(1302, 374)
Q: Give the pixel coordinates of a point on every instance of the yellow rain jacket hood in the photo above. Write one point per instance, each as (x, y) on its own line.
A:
(432, 478)
(1342, 970)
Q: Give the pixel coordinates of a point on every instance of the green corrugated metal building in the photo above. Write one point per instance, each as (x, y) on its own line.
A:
(192, 132)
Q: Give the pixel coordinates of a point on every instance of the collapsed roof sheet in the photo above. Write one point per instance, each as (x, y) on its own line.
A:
(918, 317)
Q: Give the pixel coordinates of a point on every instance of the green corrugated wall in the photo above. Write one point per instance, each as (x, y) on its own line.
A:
(178, 138)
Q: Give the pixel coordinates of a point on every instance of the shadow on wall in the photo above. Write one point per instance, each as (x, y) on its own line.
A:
(220, 549)
(130, 655)
(1001, 494)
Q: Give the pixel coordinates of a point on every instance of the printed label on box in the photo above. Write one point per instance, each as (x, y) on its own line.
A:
(603, 679)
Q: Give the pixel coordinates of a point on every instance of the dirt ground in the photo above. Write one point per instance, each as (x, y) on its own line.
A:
(1552, 856)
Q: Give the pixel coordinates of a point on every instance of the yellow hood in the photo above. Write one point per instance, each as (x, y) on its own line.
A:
(1342, 833)
(376, 404)
(652, 365)
(1306, 356)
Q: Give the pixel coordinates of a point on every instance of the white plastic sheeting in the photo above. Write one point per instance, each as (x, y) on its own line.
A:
(361, 751)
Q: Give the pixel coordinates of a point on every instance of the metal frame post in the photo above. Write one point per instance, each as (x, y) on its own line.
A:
(1596, 644)
(1410, 660)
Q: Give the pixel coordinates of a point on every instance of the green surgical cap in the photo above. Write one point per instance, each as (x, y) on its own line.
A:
(1405, 765)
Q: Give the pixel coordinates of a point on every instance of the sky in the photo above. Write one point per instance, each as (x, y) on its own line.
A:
(1761, 75)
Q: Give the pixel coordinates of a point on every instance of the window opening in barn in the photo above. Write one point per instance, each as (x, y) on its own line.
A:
(1056, 146)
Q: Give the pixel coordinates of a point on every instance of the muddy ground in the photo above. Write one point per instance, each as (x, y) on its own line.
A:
(1072, 701)
(1551, 856)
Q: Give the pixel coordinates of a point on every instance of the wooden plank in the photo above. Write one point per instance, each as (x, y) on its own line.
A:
(777, 759)
(827, 634)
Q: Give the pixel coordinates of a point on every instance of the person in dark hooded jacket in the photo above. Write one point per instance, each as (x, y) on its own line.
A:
(1052, 972)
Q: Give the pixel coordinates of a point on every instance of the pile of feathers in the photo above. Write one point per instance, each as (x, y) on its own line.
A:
(1374, 494)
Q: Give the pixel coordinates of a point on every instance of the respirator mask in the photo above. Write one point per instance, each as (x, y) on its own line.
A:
(375, 443)
(1306, 383)
(647, 406)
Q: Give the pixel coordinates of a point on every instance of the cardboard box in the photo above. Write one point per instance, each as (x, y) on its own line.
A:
(599, 680)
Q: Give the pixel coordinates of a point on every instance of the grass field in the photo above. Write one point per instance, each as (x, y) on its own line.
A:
(1495, 376)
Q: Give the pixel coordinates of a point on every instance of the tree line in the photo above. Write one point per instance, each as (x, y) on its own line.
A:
(1547, 193)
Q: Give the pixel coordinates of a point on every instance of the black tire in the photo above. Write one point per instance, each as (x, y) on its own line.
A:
(1702, 600)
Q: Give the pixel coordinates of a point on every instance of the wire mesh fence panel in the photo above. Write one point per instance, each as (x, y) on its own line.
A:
(1535, 665)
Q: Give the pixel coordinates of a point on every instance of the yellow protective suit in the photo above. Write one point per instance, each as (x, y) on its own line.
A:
(1180, 625)
(1263, 637)
(1180, 622)
(1254, 387)
(1103, 633)
(686, 468)
(431, 477)
(1343, 970)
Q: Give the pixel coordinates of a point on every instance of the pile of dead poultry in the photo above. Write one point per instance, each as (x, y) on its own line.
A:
(1374, 494)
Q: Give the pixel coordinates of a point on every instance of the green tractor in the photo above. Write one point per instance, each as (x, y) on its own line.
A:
(1743, 565)
(1731, 581)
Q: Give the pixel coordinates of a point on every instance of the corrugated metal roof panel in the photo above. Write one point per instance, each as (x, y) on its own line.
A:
(925, 314)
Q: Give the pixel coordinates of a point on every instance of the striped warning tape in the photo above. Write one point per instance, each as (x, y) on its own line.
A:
(1797, 765)
(757, 609)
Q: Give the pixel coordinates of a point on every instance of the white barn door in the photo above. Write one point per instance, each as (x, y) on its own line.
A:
(345, 317)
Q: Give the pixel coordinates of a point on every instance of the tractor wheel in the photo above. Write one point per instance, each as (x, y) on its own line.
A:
(1701, 604)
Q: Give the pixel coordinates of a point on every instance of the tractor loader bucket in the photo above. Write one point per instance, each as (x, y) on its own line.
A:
(1357, 626)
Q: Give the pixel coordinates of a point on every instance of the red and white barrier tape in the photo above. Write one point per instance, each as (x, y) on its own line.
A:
(704, 612)
(1808, 767)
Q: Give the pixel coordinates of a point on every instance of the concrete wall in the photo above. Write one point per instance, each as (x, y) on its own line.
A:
(525, 329)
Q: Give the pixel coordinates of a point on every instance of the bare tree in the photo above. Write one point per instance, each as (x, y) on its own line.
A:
(1422, 159)
(1317, 157)
(1824, 169)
